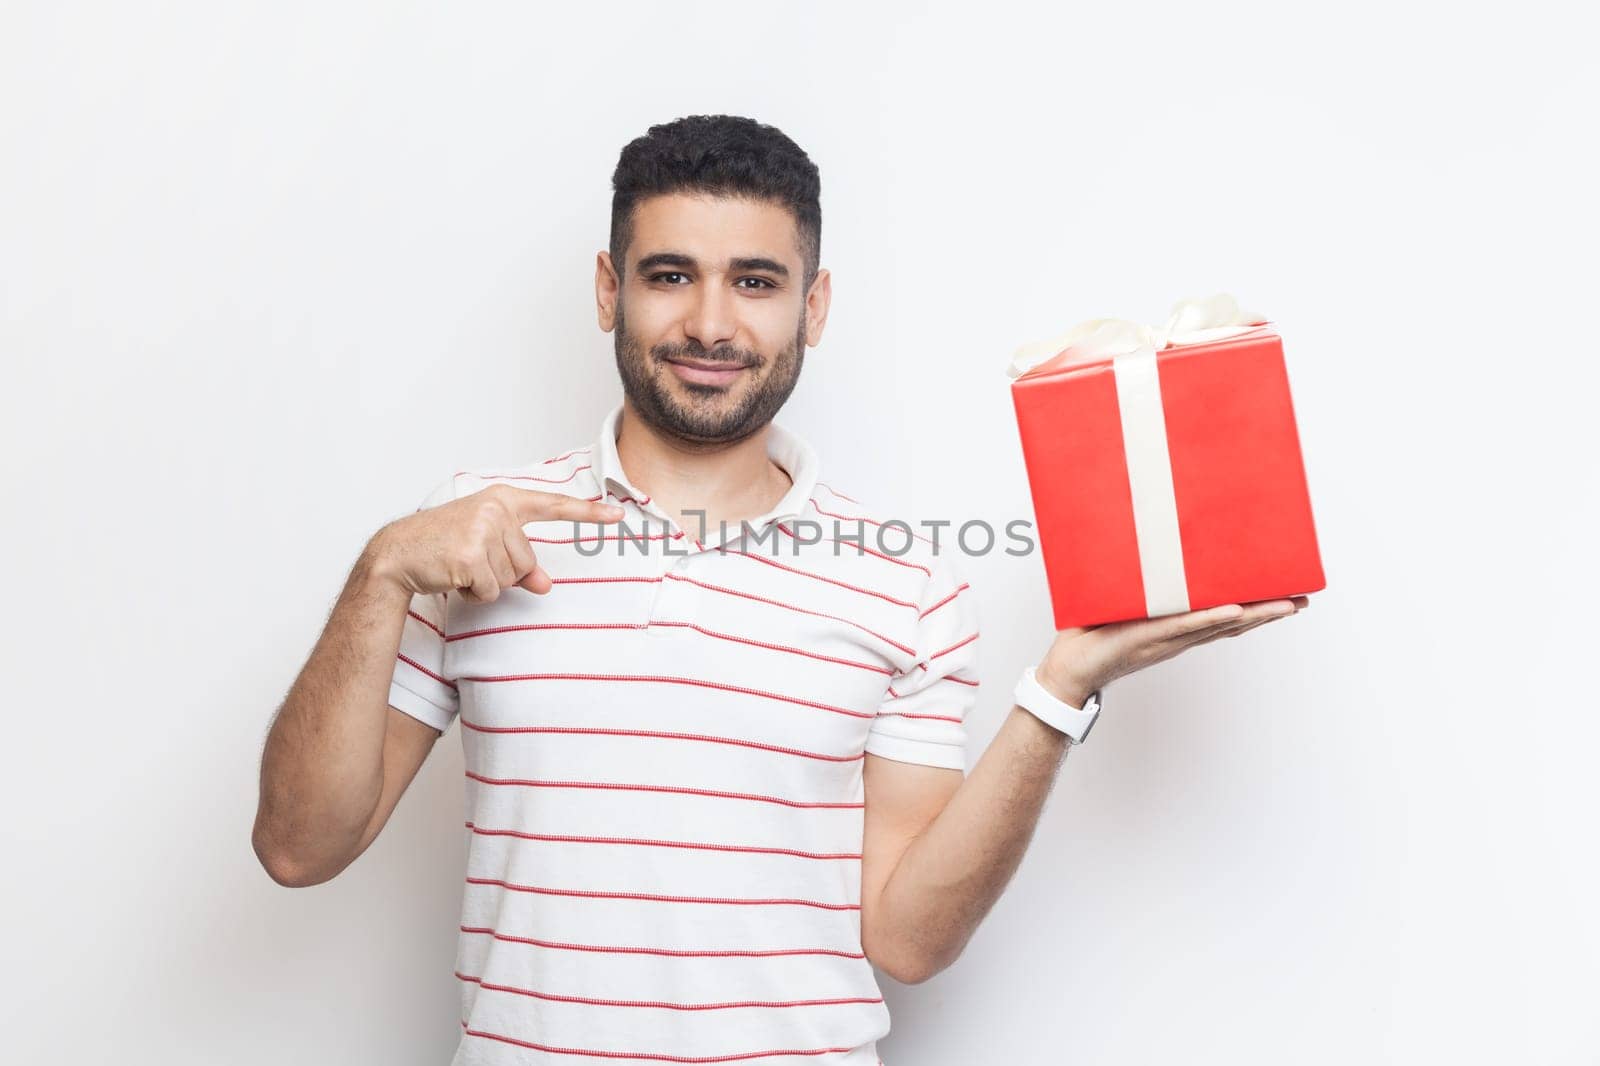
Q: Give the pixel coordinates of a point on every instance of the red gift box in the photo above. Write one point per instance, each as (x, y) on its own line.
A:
(1167, 480)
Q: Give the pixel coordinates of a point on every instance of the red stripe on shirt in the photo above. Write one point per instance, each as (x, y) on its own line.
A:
(668, 680)
(875, 668)
(692, 845)
(418, 666)
(642, 1054)
(839, 494)
(666, 788)
(818, 577)
(663, 1005)
(658, 735)
(862, 547)
(868, 521)
(542, 462)
(492, 630)
(944, 601)
(790, 607)
(656, 898)
(908, 714)
(424, 621)
(776, 647)
(630, 537)
(601, 580)
(564, 458)
(673, 952)
(958, 644)
(527, 477)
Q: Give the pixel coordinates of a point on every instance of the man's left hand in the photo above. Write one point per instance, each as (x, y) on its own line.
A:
(1084, 659)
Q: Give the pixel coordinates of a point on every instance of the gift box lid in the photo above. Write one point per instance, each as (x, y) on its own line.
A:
(1067, 361)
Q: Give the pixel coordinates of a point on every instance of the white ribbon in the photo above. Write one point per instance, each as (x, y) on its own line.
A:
(1191, 322)
(1155, 503)
(1133, 348)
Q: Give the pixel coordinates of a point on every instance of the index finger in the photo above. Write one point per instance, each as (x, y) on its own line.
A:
(531, 505)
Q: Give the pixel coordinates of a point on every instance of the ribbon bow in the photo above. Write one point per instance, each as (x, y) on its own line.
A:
(1191, 322)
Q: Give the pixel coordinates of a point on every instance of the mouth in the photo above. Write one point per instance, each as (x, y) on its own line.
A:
(700, 372)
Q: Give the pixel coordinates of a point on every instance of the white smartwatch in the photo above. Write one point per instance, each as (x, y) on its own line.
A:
(1075, 722)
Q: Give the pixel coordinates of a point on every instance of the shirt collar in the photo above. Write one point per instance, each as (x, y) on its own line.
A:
(786, 448)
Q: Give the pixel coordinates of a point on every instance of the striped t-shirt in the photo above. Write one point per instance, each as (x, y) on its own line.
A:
(664, 767)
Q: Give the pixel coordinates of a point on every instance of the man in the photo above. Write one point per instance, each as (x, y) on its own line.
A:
(714, 729)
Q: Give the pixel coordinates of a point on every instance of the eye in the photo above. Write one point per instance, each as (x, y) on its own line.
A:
(667, 274)
(764, 282)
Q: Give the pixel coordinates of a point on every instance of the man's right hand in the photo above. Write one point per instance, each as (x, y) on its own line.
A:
(475, 545)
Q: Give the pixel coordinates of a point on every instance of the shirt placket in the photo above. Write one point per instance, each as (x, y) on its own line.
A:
(669, 552)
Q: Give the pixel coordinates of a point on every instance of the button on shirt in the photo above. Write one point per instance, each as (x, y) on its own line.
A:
(664, 766)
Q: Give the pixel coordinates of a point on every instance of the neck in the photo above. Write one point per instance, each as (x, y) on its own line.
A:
(729, 482)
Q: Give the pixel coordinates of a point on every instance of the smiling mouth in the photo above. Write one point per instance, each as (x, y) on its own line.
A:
(702, 373)
(702, 365)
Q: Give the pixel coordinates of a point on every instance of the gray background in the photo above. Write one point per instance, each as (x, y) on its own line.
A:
(269, 271)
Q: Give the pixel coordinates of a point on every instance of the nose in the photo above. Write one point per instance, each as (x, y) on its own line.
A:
(711, 318)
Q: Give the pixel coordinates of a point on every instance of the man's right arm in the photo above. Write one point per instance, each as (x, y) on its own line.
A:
(338, 757)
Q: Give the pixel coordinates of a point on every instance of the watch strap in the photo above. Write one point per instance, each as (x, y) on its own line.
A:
(1075, 722)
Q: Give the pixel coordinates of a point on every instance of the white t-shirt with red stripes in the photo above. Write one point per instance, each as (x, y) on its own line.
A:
(664, 767)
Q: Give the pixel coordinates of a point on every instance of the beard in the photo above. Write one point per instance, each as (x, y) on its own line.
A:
(708, 414)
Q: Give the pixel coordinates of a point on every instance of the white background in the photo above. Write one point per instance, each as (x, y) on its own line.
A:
(268, 272)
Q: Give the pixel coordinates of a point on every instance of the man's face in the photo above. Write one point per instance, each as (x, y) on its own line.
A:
(710, 319)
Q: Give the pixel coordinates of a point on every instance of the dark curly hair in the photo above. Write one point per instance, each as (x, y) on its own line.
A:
(723, 155)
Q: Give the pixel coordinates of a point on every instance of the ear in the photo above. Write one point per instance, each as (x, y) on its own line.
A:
(606, 287)
(817, 301)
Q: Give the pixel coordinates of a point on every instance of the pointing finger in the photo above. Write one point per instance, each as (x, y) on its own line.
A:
(580, 510)
(531, 505)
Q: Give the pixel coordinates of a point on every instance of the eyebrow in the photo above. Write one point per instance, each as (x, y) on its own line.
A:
(679, 259)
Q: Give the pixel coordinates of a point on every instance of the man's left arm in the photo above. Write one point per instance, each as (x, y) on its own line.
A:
(937, 848)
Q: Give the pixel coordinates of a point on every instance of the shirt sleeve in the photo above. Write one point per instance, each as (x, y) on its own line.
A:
(922, 718)
(421, 685)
